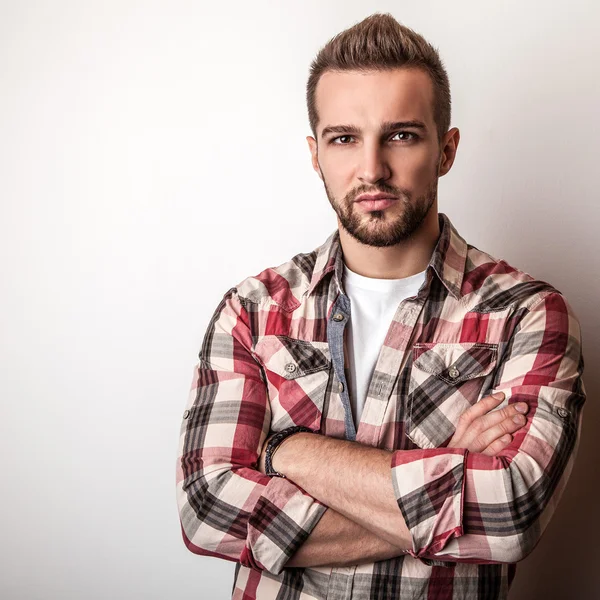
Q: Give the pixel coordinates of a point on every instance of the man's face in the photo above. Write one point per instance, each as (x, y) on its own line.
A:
(376, 134)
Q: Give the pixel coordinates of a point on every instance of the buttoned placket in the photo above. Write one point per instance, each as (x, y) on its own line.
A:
(336, 325)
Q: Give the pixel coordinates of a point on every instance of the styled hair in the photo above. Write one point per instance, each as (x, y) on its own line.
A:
(380, 43)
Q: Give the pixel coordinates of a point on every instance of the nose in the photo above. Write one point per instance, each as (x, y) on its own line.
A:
(373, 165)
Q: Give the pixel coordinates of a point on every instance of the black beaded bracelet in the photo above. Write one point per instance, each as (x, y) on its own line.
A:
(273, 445)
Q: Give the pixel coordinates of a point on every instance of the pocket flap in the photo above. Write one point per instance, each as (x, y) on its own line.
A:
(454, 363)
(292, 358)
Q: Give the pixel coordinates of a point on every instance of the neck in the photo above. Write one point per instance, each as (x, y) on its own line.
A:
(392, 262)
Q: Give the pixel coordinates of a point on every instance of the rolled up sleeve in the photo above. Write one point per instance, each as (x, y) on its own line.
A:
(462, 506)
(227, 507)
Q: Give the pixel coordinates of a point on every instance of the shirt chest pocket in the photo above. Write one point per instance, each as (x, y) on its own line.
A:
(297, 373)
(445, 380)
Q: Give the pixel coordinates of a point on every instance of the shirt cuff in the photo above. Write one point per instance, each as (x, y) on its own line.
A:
(280, 522)
(429, 488)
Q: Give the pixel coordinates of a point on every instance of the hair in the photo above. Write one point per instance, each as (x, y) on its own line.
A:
(380, 43)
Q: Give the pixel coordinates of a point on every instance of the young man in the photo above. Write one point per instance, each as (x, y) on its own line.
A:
(341, 439)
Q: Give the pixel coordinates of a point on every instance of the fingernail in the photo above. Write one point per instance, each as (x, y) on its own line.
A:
(519, 419)
(521, 407)
(498, 395)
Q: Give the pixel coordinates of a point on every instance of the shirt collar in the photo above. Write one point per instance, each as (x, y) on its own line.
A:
(447, 260)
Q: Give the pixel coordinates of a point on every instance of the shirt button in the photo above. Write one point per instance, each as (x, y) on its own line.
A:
(186, 414)
(338, 317)
(453, 373)
(340, 387)
(290, 367)
(563, 413)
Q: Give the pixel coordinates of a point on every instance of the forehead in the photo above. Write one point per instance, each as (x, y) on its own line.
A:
(367, 98)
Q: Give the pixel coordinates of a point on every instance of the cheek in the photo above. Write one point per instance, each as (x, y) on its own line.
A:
(336, 162)
(426, 172)
(338, 170)
(417, 169)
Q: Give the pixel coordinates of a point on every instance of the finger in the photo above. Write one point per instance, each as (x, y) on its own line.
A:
(468, 438)
(487, 437)
(498, 445)
(494, 417)
(478, 409)
(470, 423)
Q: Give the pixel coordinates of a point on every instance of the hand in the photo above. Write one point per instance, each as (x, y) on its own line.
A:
(482, 429)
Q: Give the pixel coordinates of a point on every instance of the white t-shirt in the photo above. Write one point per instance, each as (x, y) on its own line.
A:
(373, 305)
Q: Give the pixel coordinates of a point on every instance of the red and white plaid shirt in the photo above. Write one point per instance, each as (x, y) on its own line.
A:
(271, 357)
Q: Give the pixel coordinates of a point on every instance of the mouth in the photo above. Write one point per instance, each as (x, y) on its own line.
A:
(369, 202)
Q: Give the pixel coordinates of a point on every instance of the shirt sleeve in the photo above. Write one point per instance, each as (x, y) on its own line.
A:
(227, 507)
(469, 507)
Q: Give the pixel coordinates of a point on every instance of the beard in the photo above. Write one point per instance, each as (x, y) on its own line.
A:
(374, 228)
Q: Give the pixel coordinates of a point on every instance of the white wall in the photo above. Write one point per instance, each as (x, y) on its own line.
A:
(152, 154)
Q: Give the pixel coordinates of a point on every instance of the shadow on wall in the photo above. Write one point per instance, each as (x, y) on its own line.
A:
(564, 565)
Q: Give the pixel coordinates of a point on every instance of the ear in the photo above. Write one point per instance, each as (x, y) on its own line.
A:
(449, 145)
(314, 154)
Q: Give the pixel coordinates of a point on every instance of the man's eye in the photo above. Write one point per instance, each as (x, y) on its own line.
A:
(341, 137)
(413, 136)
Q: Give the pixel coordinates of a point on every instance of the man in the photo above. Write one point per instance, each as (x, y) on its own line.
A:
(341, 439)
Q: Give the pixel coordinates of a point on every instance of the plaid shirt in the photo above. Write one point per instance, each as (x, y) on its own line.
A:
(273, 356)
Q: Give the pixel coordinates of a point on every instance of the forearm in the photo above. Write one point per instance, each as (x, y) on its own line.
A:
(352, 478)
(337, 541)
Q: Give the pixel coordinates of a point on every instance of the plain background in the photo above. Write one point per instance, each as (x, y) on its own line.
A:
(152, 155)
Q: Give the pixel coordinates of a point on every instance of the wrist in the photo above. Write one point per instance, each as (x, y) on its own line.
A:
(282, 459)
(273, 444)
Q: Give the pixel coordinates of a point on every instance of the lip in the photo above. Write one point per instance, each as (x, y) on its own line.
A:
(378, 196)
(375, 201)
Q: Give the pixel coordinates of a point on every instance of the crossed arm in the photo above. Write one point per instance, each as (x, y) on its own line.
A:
(364, 523)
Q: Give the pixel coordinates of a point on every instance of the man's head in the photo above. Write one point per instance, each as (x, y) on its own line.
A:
(379, 109)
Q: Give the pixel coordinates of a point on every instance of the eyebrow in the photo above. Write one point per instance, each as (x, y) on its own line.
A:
(386, 127)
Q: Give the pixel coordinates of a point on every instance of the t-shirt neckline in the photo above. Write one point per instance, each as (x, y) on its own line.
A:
(382, 285)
